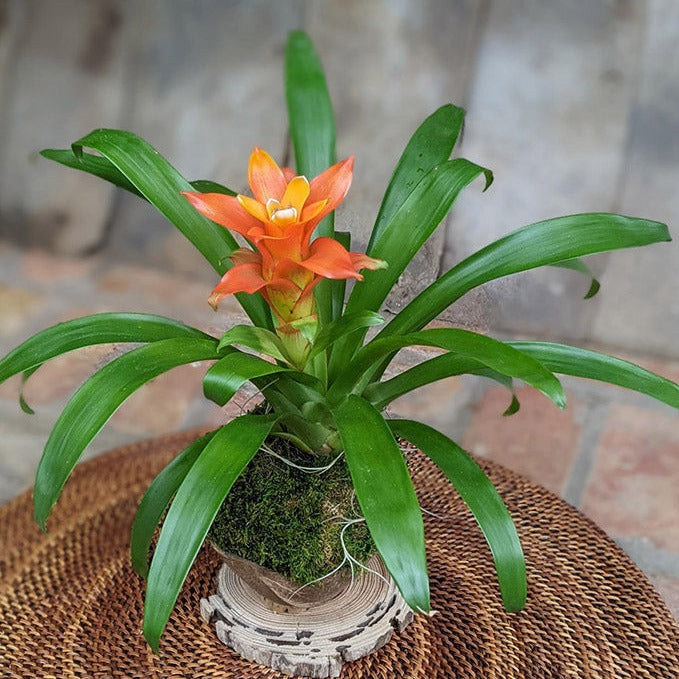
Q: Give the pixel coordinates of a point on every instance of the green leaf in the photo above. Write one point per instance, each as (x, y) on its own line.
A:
(312, 121)
(162, 185)
(410, 228)
(157, 498)
(402, 238)
(483, 500)
(513, 407)
(94, 403)
(431, 144)
(548, 242)
(490, 352)
(88, 330)
(258, 339)
(579, 266)
(208, 186)
(381, 394)
(567, 360)
(94, 165)
(343, 326)
(105, 169)
(24, 405)
(312, 130)
(193, 509)
(22, 401)
(386, 495)
(231, 372)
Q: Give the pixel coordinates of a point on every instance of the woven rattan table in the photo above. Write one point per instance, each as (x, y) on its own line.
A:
(71, 606)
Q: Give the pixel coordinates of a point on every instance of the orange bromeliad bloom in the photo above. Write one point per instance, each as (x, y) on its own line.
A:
(279, 220)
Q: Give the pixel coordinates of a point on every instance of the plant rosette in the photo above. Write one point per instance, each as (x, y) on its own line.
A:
(313, 483)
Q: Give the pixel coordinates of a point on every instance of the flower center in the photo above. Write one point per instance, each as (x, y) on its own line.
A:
(280, 215)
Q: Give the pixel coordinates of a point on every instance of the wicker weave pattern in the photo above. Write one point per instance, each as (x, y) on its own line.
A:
(71, 606)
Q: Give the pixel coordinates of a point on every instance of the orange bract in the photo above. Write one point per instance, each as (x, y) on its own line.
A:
(279, 220)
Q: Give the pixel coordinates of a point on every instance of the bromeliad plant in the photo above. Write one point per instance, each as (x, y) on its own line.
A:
(322, 378)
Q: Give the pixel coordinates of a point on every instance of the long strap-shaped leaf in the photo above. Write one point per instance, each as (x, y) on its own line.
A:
(387, 498)
(404, 235)
(230, 373)
(162, 185)
(157, 498)
(88, 330)
(258, 339)
(431, 144)
(312, 121)
(490, 352)
(94, 165)
(483, 500)
(192, 511)
(411, 226)
(312, 130)
(567, 360)
(344, 325)
(540, 244)
(94, 403)
(105, 169)
(381, 394)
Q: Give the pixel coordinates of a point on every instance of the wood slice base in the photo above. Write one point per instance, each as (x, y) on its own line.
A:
(311, 642)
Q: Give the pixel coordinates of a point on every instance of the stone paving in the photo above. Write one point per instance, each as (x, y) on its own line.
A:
(613, 454)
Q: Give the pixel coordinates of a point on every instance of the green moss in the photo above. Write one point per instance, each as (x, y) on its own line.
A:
(282, 518)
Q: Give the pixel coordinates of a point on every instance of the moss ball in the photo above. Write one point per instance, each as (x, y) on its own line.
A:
(285, 519)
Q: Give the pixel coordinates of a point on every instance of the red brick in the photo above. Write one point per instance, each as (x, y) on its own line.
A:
(155, 286)
(17, 308)
(540, 441)
(63, 374)
(634, 486)
(161, 406)
(43, 267)
(11, 388)
(431, 404)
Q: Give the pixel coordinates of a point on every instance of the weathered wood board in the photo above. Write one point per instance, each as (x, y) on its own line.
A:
(207, 89)
(389, 65)
(65, 76)
(548, 114)
(639, 301)
(572, 104)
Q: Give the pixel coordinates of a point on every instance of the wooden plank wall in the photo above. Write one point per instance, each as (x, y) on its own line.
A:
(573, 105)
(63, 74)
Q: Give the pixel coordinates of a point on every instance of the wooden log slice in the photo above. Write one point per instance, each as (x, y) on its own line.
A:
(309, 642)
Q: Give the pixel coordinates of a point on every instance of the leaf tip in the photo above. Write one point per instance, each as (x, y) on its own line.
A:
(153, 644)
(593, 289)
(24, 406)
(488, 174)
(514, 599)
(429, 613)
(513, 407)
(151, 636)
(42, 523)
(296, 38)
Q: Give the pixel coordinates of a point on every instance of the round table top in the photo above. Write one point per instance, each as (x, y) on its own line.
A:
(71, 605)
